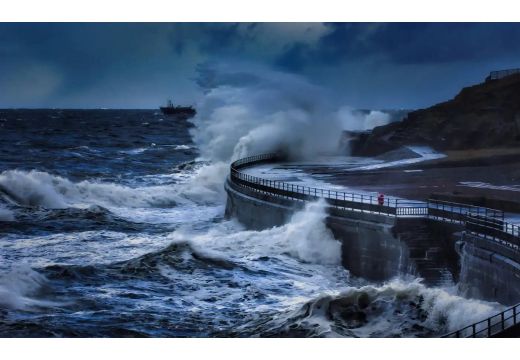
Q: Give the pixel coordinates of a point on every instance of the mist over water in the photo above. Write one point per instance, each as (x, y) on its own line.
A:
(112, 224)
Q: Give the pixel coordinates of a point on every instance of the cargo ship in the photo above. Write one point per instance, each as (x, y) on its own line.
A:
(170, 109)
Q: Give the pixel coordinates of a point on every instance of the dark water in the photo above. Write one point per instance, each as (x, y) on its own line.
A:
(110, 226)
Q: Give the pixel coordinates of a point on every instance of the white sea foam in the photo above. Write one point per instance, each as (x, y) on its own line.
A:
(38, 188)
(248, 110)
(357, 121)
(181, 147)
(392, 309)
(425, 153)
(304, 237)
(19, 289)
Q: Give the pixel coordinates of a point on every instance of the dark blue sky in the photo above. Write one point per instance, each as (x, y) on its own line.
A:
(118, 65)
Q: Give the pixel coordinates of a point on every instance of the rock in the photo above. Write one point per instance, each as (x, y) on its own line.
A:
(486, 115)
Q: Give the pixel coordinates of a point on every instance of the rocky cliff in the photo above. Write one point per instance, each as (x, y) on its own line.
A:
(486, 115)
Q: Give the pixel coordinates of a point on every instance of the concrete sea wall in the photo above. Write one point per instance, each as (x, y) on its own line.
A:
(485, 274)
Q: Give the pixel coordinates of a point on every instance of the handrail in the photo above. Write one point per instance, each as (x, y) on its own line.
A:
(465, 209)
(489, 327)
(337, 199)
(498, 74)
(483, 222)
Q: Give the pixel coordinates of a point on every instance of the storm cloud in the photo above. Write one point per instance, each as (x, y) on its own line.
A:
(140, 65)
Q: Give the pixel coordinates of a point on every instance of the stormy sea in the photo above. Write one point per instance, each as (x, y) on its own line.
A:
(112, 224)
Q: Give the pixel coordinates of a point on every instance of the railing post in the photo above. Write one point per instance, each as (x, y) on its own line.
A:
(489, 327)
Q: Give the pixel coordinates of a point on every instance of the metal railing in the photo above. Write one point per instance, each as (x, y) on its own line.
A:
(499, 74)
(436, 209)
(457, 212)
(338, 199)
(491, 326)
(494, 229)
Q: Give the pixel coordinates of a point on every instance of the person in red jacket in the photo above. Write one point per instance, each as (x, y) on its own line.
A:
(381, 199)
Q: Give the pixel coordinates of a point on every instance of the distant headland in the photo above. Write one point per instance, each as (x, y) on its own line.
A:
(482, 116)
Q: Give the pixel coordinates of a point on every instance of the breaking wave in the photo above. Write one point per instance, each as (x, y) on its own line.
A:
(305, 237)
(21, 289)
(397, 308)
(248, 110)
(41, 189)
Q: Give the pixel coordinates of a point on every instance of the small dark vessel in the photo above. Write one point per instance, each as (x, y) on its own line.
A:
(169, 109)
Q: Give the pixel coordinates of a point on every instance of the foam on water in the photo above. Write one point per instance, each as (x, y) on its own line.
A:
(305, 237)
(41, 189)
(19, 289)
(425, 153)
(396, 308)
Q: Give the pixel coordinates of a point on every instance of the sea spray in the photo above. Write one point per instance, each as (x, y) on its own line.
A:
(19, 289)
(355, 120)
(247, 110)
(396, 308)
(305, 237)
(308, 237)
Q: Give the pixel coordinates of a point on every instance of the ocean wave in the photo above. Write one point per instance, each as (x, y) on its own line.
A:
(38, 188)
(397, 308)
(179, 256)
(304, 238)
(41, 189)
(21, 289)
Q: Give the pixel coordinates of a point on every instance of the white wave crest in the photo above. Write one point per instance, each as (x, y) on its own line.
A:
(248, 110)
(19, 289)
(396, 307)
(305, 237)
(41, 189)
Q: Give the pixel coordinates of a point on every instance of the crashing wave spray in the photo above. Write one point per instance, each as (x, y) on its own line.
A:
(305, 237)
(19, 289)
(251, 111)
(354, 120)
(394, 309)
(257, 110)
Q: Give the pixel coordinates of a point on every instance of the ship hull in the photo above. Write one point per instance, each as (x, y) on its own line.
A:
(186, 111)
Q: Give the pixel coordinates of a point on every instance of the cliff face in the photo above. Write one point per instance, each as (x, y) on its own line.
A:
(486, 115)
